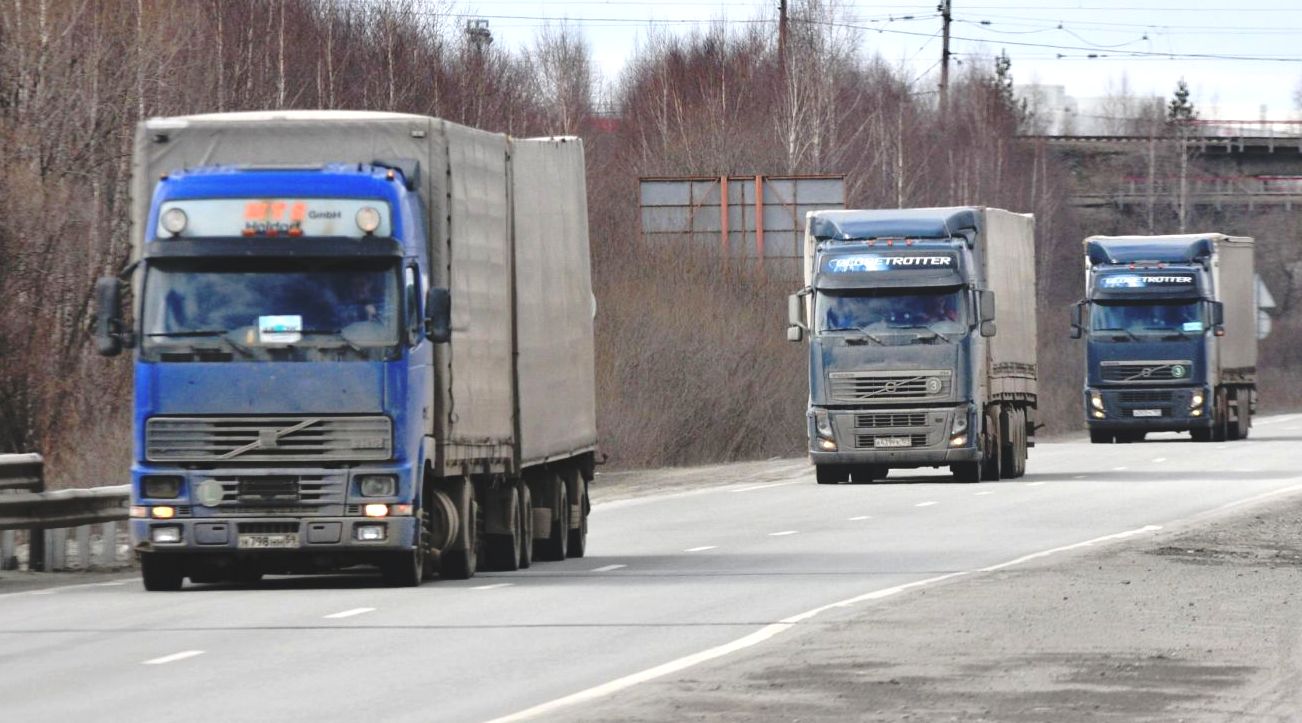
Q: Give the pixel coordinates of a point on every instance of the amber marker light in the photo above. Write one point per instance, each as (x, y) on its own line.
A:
(163, 512)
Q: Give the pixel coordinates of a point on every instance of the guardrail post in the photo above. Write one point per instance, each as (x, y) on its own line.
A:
(108, 549)
(36, 550)
(83, 546)
(8, 559)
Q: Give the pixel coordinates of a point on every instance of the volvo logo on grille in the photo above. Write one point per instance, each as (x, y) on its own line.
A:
(267, 438)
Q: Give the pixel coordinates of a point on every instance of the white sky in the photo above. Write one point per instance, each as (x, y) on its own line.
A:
(1057, 36)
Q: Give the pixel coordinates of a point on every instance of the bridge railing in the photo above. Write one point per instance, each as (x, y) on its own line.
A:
(59, 529)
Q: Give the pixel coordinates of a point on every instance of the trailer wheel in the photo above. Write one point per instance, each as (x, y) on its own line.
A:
(1098, 436)
(1238, 429)
(555, 545)
(1008, 442)
(502, 549)
(526, 525)
(161, 573)
(831, 474)
(1244, 407)
(1017, 421)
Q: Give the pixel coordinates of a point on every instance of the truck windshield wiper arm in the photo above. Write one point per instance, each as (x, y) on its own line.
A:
(1127, 332)
(869, 335)
(191, 332)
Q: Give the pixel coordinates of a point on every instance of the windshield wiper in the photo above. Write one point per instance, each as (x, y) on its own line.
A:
(193, 332)
(869, 335)
(934, 336)
(1127, 332)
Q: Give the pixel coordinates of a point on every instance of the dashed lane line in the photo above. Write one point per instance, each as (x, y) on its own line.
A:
(783, 533)
(494, 586)
(928, 503)
(752, 488)
(1034, 484)
(349, 613)
(702, 548)
(173, 657)
(860, 517)
(608, 568)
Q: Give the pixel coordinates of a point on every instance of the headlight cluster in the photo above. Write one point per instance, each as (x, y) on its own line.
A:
(823, 428)
(1096, 402)
(1196, 403)
(377, 485)
(958, 430)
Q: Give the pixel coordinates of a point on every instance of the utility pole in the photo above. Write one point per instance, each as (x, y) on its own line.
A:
(944, 8)
(782, 36)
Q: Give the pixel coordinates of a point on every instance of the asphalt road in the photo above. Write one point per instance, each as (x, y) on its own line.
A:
(728, 565)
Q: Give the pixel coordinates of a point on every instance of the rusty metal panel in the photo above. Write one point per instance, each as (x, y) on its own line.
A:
(764, 216)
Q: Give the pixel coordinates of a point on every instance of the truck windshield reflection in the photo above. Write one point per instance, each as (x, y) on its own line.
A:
(940, 311)
(1158, 317)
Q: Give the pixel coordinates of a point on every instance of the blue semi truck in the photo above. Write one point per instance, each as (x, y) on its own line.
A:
(1170, 327)
(359, 339)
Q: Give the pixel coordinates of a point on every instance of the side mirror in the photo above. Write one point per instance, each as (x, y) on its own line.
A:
(795, 333)
(796, 316)
(108, 316)
(438, 316)
(1078, 315)
(986, 300)
(987, 328)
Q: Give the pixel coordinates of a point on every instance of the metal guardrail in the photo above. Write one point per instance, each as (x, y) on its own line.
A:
(46, 516)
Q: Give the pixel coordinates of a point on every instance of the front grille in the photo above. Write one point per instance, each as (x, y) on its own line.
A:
(1147, 396)
(888, 386)
(268, 439)
(868, 441)
(267, 528)
(279, 494)
(890, 419)
(1147, 371)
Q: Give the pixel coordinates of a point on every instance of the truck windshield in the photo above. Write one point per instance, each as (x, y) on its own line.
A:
(940, 311)
(268, 310)
(1131, 318)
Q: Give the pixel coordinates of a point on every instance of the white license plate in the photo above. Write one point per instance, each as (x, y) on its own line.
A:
(892, 442)
(1146, 412)
(263, 542)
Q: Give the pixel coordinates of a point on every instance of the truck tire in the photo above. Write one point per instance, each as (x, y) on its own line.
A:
(990, 471)
(502, 550)
(1017, 464)
(555, 546)
(578, 542)
(526, 525)
(831, 474)
(1201, 434)
(1008, 442)
(966, 471)
(1238, 429)
(461, 564)
(161, 573)
(1220, 416)
(865, 473)
(1098, 436)
(406, 568)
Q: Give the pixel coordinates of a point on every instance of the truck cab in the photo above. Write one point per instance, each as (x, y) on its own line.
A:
(1156, 357)
(278, 372)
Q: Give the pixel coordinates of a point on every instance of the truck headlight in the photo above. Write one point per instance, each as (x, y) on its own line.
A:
(162, 487)
(378, 485)
(823, 424)
(168, 535)
(1196, 400)
(174, 221)
(368, 219)
(1096, 400)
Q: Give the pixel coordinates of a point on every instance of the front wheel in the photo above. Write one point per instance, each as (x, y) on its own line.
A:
(831, 474)
(161, 573)
(966, 471)
(1098, 436)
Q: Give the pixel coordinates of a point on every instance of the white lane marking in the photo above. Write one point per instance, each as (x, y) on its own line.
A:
(173, 657)
(53, 590)
(1159, 460)
(860, 517)
(349, 613)
(783, 533)
(493, 587)
(928, 503)
(985, 492)
(1119, 469)
(775, 629)
(765, 486)
(702, 548)
(608, 568)
(1080, 476)
(1034, 484)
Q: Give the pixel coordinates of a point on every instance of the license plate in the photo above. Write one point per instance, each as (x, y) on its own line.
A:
(892, 442)
(263, 542)
(1147, 413)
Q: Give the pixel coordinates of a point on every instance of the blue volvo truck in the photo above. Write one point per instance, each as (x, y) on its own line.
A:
(359, 339)
(1170, 327)
(909, 363)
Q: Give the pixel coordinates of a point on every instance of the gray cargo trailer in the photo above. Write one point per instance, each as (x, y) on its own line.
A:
(480, 412)
(909, 363)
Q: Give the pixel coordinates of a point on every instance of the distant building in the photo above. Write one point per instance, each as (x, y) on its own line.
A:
(1054, 112)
